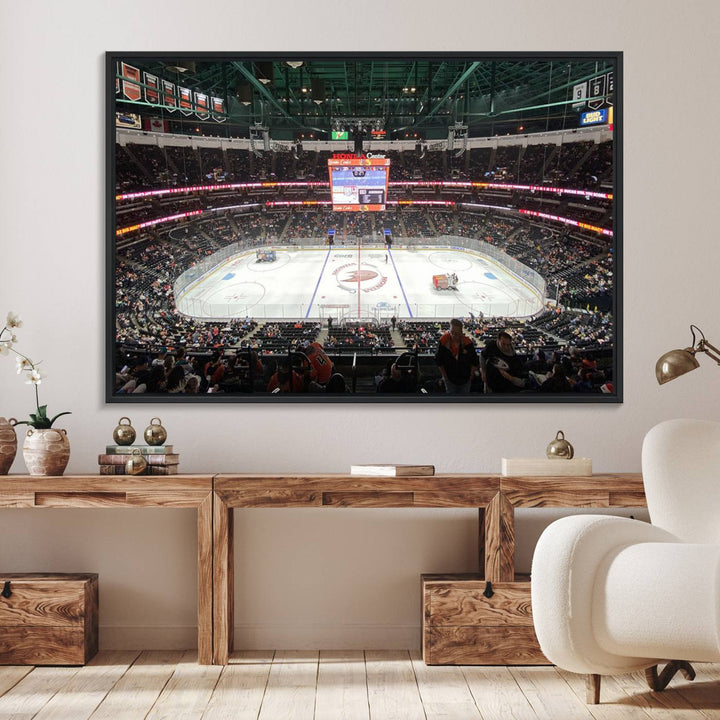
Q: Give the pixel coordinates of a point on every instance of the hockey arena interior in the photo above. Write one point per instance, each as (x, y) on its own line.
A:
(371, 227)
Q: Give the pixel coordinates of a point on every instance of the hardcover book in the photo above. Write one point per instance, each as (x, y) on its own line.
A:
(144, 449)
(162, 470)
(150, 470)
(110, 459)
(392, 470)
(112, 470)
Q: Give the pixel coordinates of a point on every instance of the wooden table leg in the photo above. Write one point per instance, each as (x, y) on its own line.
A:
(481, 542)
(205, 580)
(499, 540)
(223, 581)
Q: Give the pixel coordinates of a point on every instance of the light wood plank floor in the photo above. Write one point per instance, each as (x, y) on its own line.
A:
(350, 685)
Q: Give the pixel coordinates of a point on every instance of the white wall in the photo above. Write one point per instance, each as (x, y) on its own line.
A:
(330, 578)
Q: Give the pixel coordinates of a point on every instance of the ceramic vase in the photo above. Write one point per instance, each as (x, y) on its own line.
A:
(47, 451)
(8, 444)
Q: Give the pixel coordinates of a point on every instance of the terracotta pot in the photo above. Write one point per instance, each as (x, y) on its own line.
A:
(46, 452)
(8, 444)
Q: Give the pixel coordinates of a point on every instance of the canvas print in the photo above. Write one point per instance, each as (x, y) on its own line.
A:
(364, 228)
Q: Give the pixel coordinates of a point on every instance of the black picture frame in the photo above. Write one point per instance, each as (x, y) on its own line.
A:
(503, 103)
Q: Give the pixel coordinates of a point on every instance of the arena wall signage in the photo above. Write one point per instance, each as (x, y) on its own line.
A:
(317, 227)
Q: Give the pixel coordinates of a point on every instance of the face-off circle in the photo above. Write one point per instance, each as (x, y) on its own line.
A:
(281, 260)
(449, 261)
(247, 294)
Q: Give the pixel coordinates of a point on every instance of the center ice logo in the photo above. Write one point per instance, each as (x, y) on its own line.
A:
(349, 277)
(359, 275)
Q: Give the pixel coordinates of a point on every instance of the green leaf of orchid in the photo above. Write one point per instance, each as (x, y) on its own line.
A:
(67, 412)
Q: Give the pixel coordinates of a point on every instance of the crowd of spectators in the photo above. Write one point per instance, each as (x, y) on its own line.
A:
(585, 365)
(274, 336)
(178, 166)
(552, 329)
(443, 222)
(370, 337)
(578, 164)
(416, 223)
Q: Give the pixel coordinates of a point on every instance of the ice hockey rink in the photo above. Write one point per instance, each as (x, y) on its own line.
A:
(359, 282)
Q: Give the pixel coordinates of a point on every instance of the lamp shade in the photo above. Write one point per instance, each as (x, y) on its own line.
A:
(675, 363)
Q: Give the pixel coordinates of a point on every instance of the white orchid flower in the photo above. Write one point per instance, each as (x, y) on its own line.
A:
(23, 364)
(29, 370)
(13, 320)
(35, 377)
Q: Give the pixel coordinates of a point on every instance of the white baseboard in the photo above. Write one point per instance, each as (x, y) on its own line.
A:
(266, 637)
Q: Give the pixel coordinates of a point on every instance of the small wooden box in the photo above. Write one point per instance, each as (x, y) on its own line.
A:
(48, 618)
(461, 626)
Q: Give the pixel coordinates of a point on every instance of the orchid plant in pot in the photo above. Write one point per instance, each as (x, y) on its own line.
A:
(46, 449)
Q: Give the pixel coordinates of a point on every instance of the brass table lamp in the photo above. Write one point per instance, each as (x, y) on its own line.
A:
(677, 362)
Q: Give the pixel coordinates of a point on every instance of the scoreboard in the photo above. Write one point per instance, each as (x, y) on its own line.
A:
(359, 183)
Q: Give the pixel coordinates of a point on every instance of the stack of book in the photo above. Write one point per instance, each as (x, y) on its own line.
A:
(392, 470)
(160, 459)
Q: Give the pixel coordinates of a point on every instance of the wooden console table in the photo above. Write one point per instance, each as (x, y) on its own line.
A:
(92, 491)
(215, 498)
(495, 497)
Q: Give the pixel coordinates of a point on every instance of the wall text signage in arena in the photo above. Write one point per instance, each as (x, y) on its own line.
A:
(352, 156)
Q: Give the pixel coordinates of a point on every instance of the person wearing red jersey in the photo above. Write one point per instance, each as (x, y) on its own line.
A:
(456, 359)
(321, 366)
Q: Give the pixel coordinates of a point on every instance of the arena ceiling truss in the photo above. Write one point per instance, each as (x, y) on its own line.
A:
(405, 96)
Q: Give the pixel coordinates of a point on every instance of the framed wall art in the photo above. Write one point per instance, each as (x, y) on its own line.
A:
(374, 227)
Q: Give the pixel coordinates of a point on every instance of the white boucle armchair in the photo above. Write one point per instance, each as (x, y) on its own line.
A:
(613, 595)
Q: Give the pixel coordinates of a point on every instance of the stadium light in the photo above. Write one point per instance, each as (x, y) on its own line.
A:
(678, 362)
(182, 66)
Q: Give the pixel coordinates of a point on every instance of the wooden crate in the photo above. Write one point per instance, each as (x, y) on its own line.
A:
(461, 626)
(48, 618)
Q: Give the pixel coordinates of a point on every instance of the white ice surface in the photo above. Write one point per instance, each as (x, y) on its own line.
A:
(317, 282)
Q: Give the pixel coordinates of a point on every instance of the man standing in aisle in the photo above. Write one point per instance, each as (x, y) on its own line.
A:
(457, 359)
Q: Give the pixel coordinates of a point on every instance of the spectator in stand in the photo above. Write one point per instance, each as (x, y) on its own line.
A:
(398, 380)
(181, 359)
(139, 376)
(456, 359)
(556, 381)
(321, 366)
(215, 369)
(192, 385)
(155, 381)
(501, 369)
(176, 380)
(233, 375)
(336, 384)
(280, 380)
